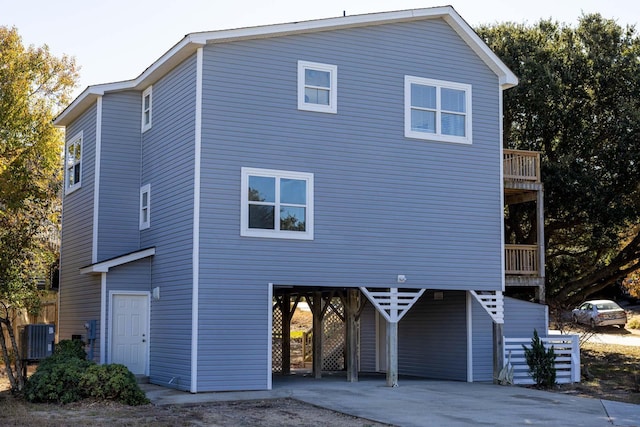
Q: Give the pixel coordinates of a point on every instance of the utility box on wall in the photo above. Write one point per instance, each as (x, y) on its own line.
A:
(37, 341)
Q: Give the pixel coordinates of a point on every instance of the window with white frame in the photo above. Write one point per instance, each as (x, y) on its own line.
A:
(277, 204)
(145, 206)
(317, 87)
(146, 108)
(437, 110)
(73, 163)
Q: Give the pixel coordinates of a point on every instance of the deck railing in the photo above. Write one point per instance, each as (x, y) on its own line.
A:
(521, 259)
(521, 165)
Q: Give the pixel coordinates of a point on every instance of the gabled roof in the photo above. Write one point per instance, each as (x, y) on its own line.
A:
(191, 42)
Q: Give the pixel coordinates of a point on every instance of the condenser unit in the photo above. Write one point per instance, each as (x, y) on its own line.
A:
(37, 341)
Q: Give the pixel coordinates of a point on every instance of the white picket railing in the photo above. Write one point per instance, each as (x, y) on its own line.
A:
(566, 348)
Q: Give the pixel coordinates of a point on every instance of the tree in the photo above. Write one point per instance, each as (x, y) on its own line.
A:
(541, 362)
(34, 85)
(578, 103)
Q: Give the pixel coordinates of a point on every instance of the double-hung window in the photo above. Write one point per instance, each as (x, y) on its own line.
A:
(73, 164)
(317, 87)
(145, 206)
(437, 110)
(147, 108)
(277, 204)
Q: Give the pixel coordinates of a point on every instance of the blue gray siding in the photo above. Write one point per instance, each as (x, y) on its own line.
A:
(482, 342)
(384, 204)
(167, 165)
(119, 175)
(368, 338)
(522, 317)
(79, 294)
(432, 338)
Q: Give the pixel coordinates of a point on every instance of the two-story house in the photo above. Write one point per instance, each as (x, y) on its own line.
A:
(354, 161)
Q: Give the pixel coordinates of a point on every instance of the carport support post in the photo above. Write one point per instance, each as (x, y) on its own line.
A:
(352, 335)
(392, 354)
(317, 334)
(498, 350)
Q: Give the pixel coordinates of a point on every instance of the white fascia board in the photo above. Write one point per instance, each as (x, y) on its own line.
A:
(104, 266)
(506, 77)
(178, 53)
(321, 24)
(188, 45)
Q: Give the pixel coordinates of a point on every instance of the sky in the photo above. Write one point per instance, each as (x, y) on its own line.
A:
(117, 40)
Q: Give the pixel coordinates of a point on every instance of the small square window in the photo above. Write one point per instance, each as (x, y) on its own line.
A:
(317, 87)
(73, 164)
(147, 104)
(437, 110)
(145, 206)
(277, 204)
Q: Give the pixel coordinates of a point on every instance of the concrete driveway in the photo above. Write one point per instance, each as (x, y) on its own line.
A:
(419, 402)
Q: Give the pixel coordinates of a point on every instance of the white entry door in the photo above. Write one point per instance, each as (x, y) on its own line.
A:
(129, 333)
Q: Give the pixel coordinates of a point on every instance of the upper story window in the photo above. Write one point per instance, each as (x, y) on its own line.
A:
(437, 110)
(277, 204)
(146, 108)
(317, 87)
(145, 206)
(73, 164)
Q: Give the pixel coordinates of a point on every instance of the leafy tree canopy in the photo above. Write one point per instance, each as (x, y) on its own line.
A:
(578, 103)
(34, 85)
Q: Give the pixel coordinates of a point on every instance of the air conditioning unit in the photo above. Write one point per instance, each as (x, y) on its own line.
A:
(37, 341)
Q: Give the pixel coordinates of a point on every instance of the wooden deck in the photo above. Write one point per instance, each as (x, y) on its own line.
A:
(521, 166)
(521, 260)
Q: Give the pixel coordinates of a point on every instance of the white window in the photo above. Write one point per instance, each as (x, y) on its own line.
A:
(145, 206)
(277, 204)
(73, 164)
(317, 87)
(146, 108)
(437, 110)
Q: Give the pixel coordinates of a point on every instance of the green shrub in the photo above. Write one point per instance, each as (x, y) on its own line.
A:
(70, 348)
(541, 362)
(112, 382)
(57, 380)
(66, 376)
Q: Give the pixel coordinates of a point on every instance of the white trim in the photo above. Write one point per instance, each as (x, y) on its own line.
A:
(144, 224)
(189, 44)
(146, 125)
(196, 224)
(392, 303)
(469, 302)
(438, 135)
(77, 138)
(332, 107)
(492, 302)
(502, 205)
(103, 318)
(147, 332)
(276, 232)
(104, 266)
(96, 180)
(270, 338)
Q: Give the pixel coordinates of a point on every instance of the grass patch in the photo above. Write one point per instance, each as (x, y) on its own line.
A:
(610, 372)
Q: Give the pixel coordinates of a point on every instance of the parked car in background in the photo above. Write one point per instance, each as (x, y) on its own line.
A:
(599, 313)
